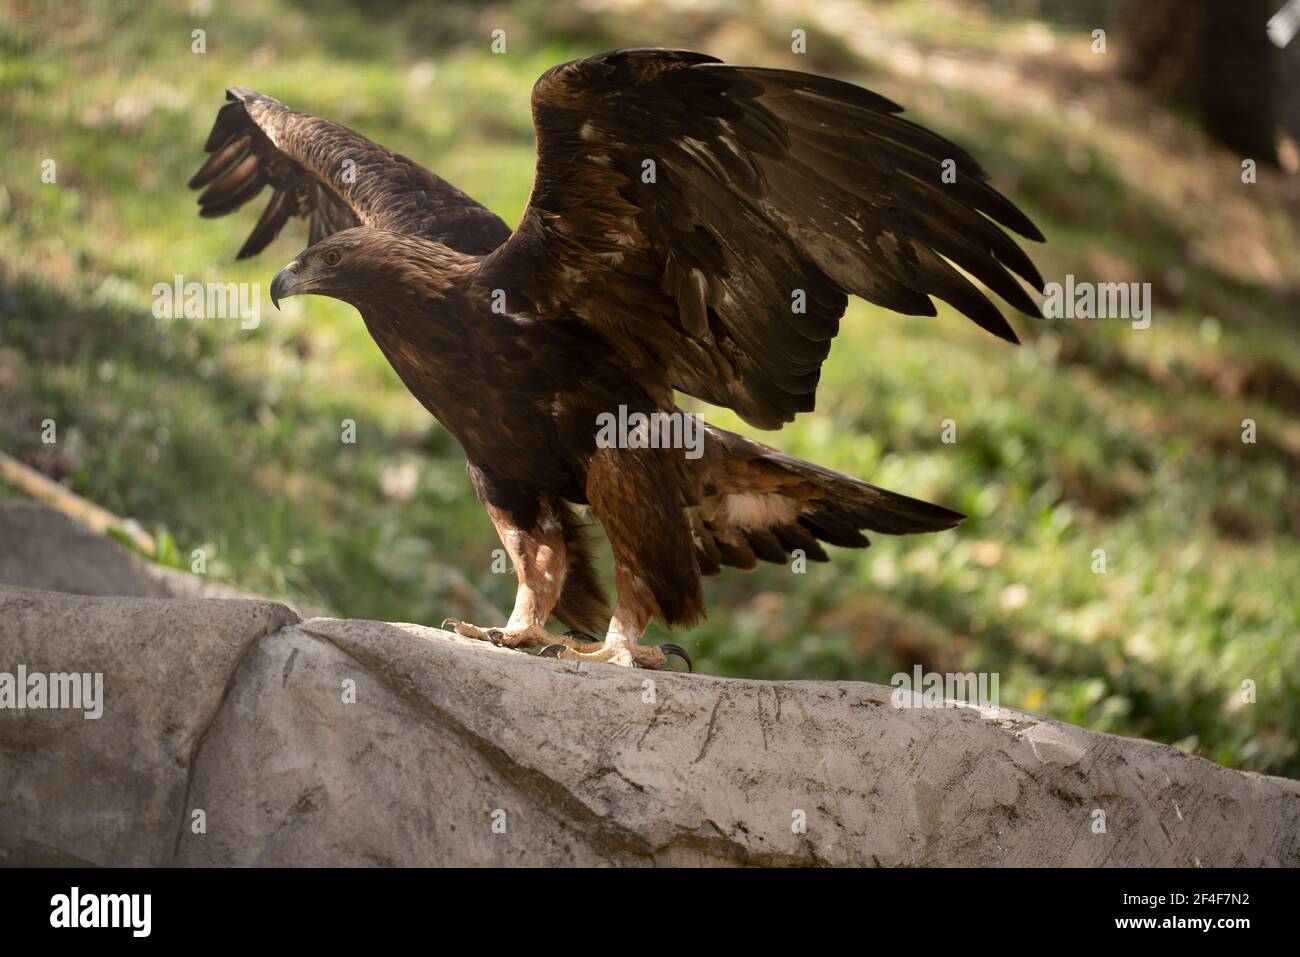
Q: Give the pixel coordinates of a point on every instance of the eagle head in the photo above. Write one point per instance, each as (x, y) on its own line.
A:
(364, 264)
(328, 268)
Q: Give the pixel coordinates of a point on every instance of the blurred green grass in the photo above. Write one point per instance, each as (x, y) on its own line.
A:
(1089, 436)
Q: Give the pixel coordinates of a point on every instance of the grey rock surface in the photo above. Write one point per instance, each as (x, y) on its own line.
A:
(40, 547)
(235, 733)
(455, 752)
(112, 790)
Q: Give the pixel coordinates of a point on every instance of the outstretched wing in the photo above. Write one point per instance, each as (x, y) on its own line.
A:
(330, 176)
(711, 219)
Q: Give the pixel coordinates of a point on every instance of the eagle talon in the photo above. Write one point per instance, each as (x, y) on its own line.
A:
(496, 636)
(579, 634)
(680, 652)
(554, 646)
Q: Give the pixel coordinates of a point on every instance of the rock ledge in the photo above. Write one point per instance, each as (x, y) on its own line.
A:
(327, 742)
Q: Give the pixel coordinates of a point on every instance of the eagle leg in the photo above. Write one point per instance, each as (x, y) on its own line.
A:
(621, 652)
(542, 560)
(632, 615)
(636, 496)
(613, 651)
(505, 636)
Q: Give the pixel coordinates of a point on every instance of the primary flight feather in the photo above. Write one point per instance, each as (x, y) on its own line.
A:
(693, 226)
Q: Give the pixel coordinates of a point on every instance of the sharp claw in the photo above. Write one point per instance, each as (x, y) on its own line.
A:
(680, 652)
(546, 651)
(579, 634)
(495, 636)
(452, 622)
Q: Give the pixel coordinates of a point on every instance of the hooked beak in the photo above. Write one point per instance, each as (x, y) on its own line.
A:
(284, 284)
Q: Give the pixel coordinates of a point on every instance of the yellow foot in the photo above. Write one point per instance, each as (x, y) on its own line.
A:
(507, 637)
(617, 650)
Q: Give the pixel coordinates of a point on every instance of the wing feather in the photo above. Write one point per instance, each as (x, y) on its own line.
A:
(712, 219)
(330, 176)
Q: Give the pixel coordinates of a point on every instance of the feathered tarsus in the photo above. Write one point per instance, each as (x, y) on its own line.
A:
(693, 226)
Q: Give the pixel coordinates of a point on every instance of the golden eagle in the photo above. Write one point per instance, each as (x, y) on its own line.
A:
(693, 226)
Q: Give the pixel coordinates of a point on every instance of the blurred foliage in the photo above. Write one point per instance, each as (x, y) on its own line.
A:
(1091, 435)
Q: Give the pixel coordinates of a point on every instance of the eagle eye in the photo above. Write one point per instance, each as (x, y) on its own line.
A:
(331, 257)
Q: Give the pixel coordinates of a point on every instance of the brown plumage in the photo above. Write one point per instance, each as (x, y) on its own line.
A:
(693, 226)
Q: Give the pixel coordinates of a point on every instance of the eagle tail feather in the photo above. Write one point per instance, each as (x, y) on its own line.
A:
(768, 504)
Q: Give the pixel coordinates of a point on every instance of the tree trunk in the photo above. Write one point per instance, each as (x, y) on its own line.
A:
(1212, 56)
